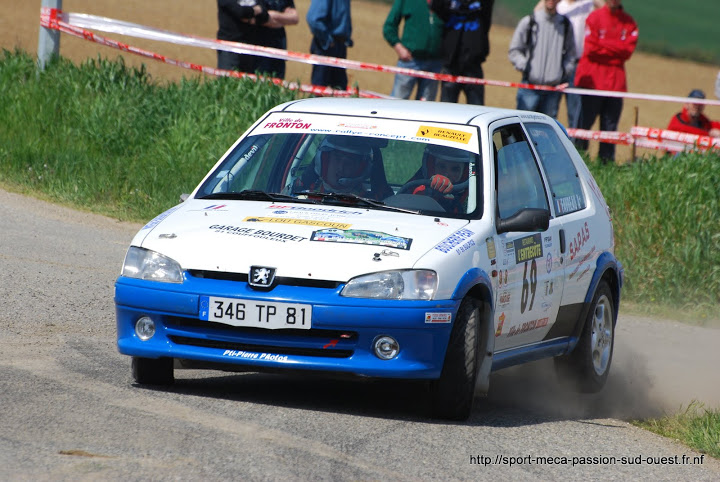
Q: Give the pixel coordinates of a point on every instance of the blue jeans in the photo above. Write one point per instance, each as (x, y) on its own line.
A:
(544, 101)
(574, 103)
(426, 88)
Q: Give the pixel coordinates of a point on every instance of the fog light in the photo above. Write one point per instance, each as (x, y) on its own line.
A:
(145, 328)
(386, 347)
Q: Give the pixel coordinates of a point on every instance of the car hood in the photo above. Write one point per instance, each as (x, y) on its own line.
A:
(300, 240)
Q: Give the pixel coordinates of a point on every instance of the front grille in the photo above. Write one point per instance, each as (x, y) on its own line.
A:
(279, 280)
(277, 350)
(281, 342)
(181, 322)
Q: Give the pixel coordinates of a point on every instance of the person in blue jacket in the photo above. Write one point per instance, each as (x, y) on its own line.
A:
(331, 27)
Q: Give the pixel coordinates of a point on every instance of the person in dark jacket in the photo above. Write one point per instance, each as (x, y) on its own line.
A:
(466, 45)
(330, 23)
(255, 22)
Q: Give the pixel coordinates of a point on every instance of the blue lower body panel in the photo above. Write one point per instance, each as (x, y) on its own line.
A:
(340, 340)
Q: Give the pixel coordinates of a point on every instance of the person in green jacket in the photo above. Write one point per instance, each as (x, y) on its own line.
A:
(418, 49)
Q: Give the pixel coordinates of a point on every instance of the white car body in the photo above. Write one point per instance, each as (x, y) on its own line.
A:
(549, 289)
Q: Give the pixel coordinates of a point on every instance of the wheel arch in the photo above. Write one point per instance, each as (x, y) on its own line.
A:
(476, 284)
(607, 269)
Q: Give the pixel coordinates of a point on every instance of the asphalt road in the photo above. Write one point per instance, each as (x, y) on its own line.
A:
(69, 409)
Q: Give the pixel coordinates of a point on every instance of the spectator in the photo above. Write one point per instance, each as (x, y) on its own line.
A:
(256, 23)
(465, 45)
(717, 86)
(331, 26)
(577, 12)
(611, 36)
(692, 120)
(543, 49)
(418, 49)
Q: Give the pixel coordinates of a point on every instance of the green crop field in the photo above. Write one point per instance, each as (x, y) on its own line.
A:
(687, 29)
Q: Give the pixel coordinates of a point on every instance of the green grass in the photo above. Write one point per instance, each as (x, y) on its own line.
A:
(105, 137)
(686, 30)
(696, 427)
(667, 228)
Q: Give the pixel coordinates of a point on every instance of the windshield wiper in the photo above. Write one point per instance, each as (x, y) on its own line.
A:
(353, 200)
(250, 195)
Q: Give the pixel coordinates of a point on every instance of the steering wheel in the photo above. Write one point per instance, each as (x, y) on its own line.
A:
(409, 187)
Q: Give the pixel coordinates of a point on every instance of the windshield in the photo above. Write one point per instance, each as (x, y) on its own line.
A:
(433, 170)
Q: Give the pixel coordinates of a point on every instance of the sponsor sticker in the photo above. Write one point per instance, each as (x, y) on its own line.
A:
(292, 209)
(454, 240)
(528, 326)
(490, 242)
(438, 317)
(527, 248)
(444, 133)
(306, 222)
(501, 322)
(158, 219)
(248, 355)
(257, 233)
(359, 236)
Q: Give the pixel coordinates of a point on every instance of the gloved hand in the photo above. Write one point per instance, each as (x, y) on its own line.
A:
(441, 183)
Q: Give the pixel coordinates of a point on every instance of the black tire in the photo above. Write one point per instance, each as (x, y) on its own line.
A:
(151, 371)
(589, 363)
(452, 395)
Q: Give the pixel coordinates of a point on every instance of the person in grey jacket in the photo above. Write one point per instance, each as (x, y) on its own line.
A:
(543, 49)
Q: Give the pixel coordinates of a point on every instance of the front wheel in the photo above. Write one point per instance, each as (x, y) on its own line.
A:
(150, 371)
(454, 392)
(589, 364)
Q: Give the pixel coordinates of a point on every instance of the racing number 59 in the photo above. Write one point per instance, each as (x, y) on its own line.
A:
(528, 288)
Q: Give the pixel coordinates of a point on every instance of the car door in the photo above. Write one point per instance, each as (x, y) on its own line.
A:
(573, 215)
(530, 274)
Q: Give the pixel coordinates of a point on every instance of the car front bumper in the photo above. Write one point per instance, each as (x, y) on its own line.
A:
(341, 338)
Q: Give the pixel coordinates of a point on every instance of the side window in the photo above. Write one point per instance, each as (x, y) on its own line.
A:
(565, 185)
(519, 184)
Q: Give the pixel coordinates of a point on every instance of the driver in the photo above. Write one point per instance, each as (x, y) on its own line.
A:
(342, 164)
(446, 168)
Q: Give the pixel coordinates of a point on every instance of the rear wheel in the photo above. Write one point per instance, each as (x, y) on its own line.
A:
(589, 364)
(152, 371)
(453, 393)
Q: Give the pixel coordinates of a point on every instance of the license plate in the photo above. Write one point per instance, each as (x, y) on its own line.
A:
(256, 314)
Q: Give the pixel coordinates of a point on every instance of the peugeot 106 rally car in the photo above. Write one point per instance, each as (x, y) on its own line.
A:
(380, 238)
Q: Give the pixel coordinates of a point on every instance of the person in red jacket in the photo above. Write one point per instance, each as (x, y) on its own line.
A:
(692, 120)
(611, 36)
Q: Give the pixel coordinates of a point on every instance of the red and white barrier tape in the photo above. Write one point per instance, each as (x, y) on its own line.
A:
(651, 138)
(682, 137)
(53, 19)
(77, 25)
(84, 21)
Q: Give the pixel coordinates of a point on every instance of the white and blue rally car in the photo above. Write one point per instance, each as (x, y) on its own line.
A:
(381, 238)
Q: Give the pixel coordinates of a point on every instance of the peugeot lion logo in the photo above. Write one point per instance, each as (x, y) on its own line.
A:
(261, 277)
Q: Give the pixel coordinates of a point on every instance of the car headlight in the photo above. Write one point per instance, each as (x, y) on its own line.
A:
(419, 284)
(145, 264)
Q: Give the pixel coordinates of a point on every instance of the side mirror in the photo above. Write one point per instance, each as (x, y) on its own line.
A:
(525, 220)
(184, 197)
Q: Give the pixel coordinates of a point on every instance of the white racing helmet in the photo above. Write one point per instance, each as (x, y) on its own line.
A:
(434, 152)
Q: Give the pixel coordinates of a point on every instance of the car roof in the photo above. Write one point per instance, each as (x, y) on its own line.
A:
(400, 109)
